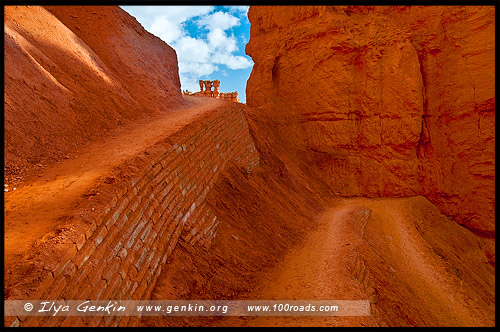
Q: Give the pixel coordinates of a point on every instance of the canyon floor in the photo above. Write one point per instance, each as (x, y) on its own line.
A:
(378, 185)
(363, 249)
(322, 268)
(275, 242)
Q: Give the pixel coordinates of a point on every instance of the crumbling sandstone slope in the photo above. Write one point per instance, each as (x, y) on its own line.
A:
(93, 67)
(383, 101)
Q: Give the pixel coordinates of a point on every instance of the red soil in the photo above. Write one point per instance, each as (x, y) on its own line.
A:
(407, 259)
(91, 84)
(71, 79)
(42, 202)
(384, 101)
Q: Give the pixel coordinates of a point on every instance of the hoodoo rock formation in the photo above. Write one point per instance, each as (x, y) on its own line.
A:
(206, 91)
(400, 101)
(361, 169)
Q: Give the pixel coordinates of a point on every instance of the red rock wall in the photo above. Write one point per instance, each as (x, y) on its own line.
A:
(94, 67)
(117, 251)
(383, 101)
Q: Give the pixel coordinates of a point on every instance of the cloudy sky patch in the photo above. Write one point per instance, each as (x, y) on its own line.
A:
(209, 41)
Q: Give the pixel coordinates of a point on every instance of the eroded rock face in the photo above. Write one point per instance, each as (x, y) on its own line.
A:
(383, 101)
(94, 67)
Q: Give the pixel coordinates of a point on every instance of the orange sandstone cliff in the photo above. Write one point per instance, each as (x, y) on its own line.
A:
(200, 198)
(383, 101)
(77, 67)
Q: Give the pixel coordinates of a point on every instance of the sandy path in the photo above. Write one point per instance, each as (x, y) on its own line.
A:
(319, 270)
(315, 271)
(438, 292)
(34, 208)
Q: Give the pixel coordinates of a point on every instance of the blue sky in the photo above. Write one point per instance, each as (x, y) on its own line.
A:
(209, 41)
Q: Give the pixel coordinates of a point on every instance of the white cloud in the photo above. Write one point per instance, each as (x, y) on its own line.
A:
(220, 41)
(238, 10)
(201, 55)
(165, 29)
(190, 49)
(166, 21)
(237, 62)
(218, 20)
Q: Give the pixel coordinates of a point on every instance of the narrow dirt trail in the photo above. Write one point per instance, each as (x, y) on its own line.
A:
(318, 270)
(323, 269)
(37, 206)
(438, 291)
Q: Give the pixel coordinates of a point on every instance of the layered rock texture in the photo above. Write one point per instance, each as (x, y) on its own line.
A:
(129, 190)
(102, 222)
(69, 62)
(383, 101)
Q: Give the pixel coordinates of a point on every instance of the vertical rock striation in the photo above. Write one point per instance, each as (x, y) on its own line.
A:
(383, 101)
